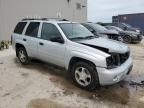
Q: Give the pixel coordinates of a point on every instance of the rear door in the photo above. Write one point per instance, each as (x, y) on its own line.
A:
(31, 39)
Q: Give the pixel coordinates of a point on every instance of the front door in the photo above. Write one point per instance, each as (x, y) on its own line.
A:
(49, 51)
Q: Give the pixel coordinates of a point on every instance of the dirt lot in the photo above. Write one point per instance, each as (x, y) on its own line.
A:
(40, 85)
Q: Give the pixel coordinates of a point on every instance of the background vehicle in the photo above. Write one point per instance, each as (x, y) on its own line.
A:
(101, 31)
(127, 27)
(123, 26)
(128, 36)
(134, 20)
(90, 60)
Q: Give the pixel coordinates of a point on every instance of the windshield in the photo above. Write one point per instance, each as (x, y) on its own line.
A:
(117, 29)
(75, 31)
(99, 28)
(127, 25)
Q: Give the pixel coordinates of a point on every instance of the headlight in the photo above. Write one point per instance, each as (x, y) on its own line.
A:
(109, 62)
(113, 61)
(138, 31)
(133, 35)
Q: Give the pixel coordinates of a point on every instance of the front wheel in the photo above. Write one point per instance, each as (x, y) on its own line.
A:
(22, 55)
(85, 75)
(127, 39)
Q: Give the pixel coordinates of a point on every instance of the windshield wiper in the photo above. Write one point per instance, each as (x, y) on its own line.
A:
(87, 37)
(78, 38)
(90, 37)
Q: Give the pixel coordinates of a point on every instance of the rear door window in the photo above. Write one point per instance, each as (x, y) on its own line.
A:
(20, 27)
(32, 29)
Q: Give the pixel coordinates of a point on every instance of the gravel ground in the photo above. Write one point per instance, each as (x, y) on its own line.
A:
(40, 85)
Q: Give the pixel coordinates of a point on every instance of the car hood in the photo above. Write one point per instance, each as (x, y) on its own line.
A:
(130, 32)
(106, 45)
(135, 29)
(110, 32)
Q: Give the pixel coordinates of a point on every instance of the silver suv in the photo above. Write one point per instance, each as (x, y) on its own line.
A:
(90, 60)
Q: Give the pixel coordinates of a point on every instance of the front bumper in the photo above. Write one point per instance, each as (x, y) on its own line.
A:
(137, 39)
(112, 76)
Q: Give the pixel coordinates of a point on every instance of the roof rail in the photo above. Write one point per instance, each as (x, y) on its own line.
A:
(46, 19)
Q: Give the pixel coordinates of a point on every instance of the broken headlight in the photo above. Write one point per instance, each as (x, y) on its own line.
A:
(113, 61)
(116, 59)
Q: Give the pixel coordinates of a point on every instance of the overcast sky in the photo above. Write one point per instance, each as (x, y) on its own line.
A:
(103, 10)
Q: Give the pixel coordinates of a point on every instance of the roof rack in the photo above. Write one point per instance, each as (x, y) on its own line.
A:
(45, 19)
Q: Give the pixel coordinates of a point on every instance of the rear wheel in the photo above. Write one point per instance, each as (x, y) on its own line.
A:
(85, 75)
(22, 55)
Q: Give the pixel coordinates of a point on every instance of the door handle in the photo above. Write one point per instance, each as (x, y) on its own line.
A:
(41, 43)
(24, 39)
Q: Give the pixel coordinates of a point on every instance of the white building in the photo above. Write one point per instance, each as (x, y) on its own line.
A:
(12, 11)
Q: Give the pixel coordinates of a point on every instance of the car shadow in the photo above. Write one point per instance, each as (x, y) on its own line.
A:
(119, 93)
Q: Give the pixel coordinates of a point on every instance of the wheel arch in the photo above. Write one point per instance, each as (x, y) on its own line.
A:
(77, 59)
(17, 46)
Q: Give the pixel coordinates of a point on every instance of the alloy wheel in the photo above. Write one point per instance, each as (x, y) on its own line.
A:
(22, 56)
(82, 76)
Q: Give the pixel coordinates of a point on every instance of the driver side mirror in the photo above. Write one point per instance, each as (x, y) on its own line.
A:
(57, 39)
(91, 30)
(94, 32)
(125, 28)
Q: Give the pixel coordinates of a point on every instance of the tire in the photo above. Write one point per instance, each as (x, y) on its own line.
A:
(90, 75)
(127, 39)
(22, 55)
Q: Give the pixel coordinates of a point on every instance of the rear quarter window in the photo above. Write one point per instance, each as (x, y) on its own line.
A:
(20, 27)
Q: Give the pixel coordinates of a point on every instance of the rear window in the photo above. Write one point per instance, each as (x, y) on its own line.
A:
(32, 29)
(20, 27)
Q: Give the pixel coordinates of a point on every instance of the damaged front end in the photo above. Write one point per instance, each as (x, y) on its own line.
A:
(116, 59)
